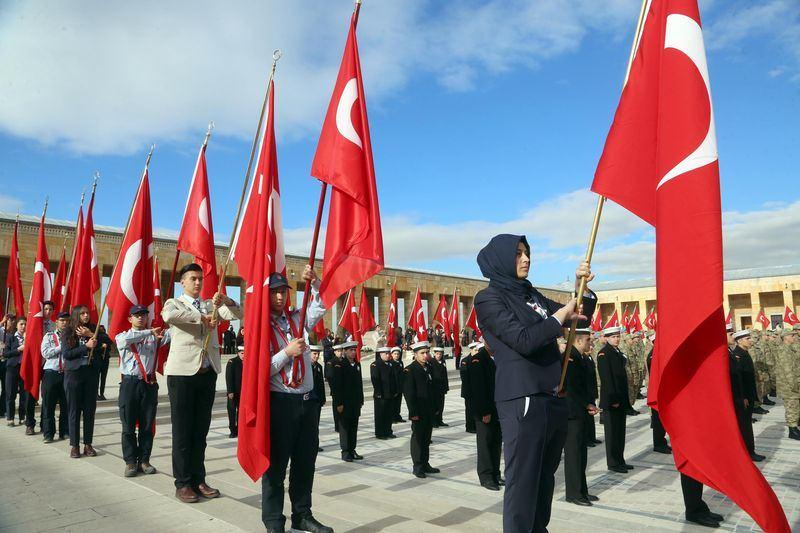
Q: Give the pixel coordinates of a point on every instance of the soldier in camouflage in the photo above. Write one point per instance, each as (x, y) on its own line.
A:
(787, 366)
(771, 352)
(757, 352)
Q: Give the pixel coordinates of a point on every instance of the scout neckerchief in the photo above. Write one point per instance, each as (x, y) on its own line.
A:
(132, 347)
(298, 363)
(56, 341)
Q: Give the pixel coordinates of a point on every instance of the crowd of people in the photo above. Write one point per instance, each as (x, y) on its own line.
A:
(511, 406)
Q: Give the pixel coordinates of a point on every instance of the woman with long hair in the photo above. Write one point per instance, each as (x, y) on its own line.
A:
(81, 372)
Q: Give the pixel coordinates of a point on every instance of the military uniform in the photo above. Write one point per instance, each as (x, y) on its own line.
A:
(787, 366)
(482, 370)
(594, 394)
(420, 401)
(613, 391)
(399, 375)
(440, 387)
(329, 377)
(659, 433)
(233, 386)
(463, 372)
(577, 386)
(743, 387)
(348, 394)
(384, 393)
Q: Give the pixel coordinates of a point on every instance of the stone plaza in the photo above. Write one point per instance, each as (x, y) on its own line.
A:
(42, 489)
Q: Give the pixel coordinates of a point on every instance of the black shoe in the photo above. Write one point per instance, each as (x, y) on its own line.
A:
(233, 435)
(444, 424)
(420, 474)
(310, 524)
(276, 529)
(754, 420)
(381, 437)
(703, 520)
(580, 501)
(347, 458)
(631, 412)
(627, 467)
(592, 497)
(716, 516)
(319, 449)
(590, 444)
(618, 469)
(391, 436)
(598, 441)
(490, 485)
(436, 426)
(663, 449)
(471, 431)
(760, 411)
(794, 433)
(500, 481)
(356, 456)
(428, 469)
(48, 440)
(767, 401)
(756, 457)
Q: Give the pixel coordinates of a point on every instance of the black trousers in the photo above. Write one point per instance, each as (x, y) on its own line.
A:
(614, 431)
(693, 497)
(80, 386)
(575, 459)
(27, 406)
(384, 408)
(659, 434)
(191, 399)
(439, 408)
(397, 403)
(53, 395)
(103, 375)
(2, 388)
(534, 430)
(348, 433)
(591, 430)
(421, 431)
(233, 414)
(294, 435)
(12, 387)
(335, 418)
(470, 420)
(489, 440)
(745, 417)
(137, 404)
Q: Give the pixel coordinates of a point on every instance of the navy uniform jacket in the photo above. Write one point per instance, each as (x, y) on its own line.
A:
(481, 371)
(418, 391)
(591, 374)
(576, 385)
(523, 341)
(233, 376)
(748, 374)
(346, 388)
(463, 372)
(613, 379)
(384, 380)
(319, 383)
(439, 374)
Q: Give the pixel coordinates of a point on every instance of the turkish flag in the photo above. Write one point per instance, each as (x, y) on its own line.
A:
(85, 277)
(59, 282)
(597, 324)
(350, 321)
(454, 322)
(729, 318)
(762, 319)
(634, 322)
(790, 317)
(319, 330)
(613, 322)
(156, 319)
(660, 162)
(31, 367)
(365, 318)
(258, 252)
(66, 294)
(132, 280)
(626, 320)
(391, 321)
(650, 321)
(442, 318)
(472, 322)
(14, 279)
(417, 318)
(197, 230)
(354, 242)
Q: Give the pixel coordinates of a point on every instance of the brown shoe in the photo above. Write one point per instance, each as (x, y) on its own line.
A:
(30, 431)
(206, 491)
(186, 495)
(130, 470)
(75, 452)
(88, 451)
(147, 468)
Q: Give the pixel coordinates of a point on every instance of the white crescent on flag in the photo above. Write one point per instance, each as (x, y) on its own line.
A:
(344, 122)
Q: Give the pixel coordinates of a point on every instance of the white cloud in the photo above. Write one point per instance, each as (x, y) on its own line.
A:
(111, 77)
(11, 204)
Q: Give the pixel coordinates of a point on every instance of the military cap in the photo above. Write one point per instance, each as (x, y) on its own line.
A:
(437, 349)
(583, 331)
(741, 334)
(396, 349)
(346, 345)
(191, 267)
(472, 345)
(278, 281)
(240, 348)
(383, 349)
(613, 330)
(315, 347)
(420, 345)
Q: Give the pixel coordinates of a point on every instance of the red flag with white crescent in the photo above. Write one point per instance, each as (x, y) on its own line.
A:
(454, 322)
(790, 317)
(59, 282)
(729, 318)
(613, 321)
(626, 319)
(14, 279)
(391, 319)
(597, 322)
(417, 319)
(442, 317)
(350, 321)
(660, 162)
(763, 320)
(132, 281)
(31, 368)
(354, 241)
(86, 280)
(76, 248)
(650, 321)
(365, 319)
(634, 322)
(472, 322)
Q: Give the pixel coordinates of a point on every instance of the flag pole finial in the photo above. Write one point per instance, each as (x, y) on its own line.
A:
(149, 156)
(46, 201)
(208, 133)
(95, 177)
(83, 196)
(276, 56)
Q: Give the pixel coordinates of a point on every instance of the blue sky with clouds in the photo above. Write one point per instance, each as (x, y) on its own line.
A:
(486, 117)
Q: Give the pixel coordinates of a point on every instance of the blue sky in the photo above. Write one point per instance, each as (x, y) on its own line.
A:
(485, 117)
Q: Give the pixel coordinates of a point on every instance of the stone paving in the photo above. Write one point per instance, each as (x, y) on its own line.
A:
(42, 489)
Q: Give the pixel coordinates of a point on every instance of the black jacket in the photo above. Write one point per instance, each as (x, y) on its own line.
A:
(576, 385)
(347, 389)
(748, 374)
(481, 373)
(233, 376)
(591, 375)
(12, 353)
(439, 374)
(613, 379)
(418, 391)
(319, 382)
(463, 372)
(384, 380)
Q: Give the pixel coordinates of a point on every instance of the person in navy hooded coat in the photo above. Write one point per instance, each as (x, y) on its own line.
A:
(522, 325)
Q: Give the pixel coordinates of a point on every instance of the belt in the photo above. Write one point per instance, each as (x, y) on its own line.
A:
(545, 394)
(52, 371)
(129, 377)
(292, 395)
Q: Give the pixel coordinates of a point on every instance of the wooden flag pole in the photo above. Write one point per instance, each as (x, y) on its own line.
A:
(171, 286)
(276, 55)
(601, 200)
(125, 231)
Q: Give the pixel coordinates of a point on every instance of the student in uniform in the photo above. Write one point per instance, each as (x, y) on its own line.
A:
(420, 401)
(15, 346)
(384, 392)
(138, 389)
(338, 355)
(104, 351)
(488, 435)
(397, 371)
(319, 382)
(743, 384)
(463, 373)
(233, 387)
(53, 382)
(348, 397)
(440, 384)
(614, 399)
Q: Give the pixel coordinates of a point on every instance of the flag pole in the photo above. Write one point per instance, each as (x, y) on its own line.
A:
(601, 200)
(8, 289)
(171, 286)
(68, 279)
(312, 256)
(124, 232)
(276, 55)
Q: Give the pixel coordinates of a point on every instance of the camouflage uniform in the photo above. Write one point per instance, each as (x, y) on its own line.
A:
(787, 366)
(757, 352)
(627, 350)
(773, 347)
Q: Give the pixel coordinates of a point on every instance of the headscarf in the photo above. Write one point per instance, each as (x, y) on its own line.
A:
(498, 262)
